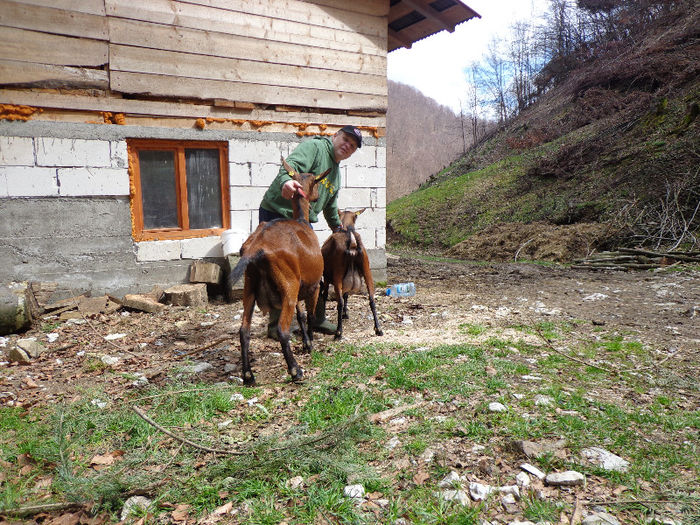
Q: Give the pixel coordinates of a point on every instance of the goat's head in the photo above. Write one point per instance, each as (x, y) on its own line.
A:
(348, 218)
(308, 181)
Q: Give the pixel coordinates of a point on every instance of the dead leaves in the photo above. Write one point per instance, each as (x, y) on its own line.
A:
(101, 461)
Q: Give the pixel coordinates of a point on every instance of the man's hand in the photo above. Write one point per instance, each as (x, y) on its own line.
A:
(290, 188)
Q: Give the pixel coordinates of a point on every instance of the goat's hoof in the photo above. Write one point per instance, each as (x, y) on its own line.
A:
(297, 374)
(338, 336)
(379, 332)
(346, 316)
(306, 349)
(248, 379)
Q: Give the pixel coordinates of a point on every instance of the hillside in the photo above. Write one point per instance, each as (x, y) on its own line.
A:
(607, 157)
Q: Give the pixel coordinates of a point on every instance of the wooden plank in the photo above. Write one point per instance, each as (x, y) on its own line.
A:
(153, 108)
(231, 22)
(160, 85)
(141, 60)
(42, 75)
(305, 12)
(157, 36)
(61, 21)
(93, 7)
(31, 46)
(368, 7)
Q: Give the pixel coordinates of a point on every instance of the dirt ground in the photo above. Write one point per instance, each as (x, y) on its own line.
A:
(661, 310)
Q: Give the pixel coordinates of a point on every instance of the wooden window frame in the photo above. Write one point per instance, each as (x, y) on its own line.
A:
(183, 231)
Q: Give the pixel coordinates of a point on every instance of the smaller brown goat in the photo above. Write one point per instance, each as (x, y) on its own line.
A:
(282, 263)
(345, 266)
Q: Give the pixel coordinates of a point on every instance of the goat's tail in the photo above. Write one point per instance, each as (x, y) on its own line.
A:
(235, 275)
(353, 249)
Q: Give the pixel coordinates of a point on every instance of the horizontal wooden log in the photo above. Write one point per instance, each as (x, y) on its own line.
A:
(160, 85)
(32, 46)
(225, 20)
(154, 108)
(49, 76)
(51, 20)
(140, 60)
(157, 36)
(94, 7)
(369, 7)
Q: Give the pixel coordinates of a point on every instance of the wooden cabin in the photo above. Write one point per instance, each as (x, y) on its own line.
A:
(133, 134)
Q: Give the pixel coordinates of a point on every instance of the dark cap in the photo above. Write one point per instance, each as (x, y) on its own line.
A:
(354, 132)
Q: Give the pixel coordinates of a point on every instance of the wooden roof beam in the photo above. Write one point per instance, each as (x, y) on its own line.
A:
(399, 40)
(430, 14)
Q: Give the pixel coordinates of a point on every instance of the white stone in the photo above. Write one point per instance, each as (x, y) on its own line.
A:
(604, 459)
(479, 491)
(354, 491)
(566, 479)
(508, 499)
(198, 367)
(514, 490)
(16, 151)
(392, 443)
(236, 397)
(224, 424)
(543, 401)
(109, 360)
(23, 181)
(134, 503)
(533, 470)
(449, 481)
(528, 377)
(114, 337)
(522, 480)
(158, 251)
(595, 297)
(456, 495)
(497, 407)
(294, 483)
(79, 182)
(72, 152)
(600, 518)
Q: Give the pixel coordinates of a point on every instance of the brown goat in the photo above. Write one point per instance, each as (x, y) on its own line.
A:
(282, 263)
(345, 266)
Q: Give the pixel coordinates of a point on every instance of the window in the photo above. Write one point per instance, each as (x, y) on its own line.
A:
(179, 188)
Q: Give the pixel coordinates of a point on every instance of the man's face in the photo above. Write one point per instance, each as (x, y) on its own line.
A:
(344, 145)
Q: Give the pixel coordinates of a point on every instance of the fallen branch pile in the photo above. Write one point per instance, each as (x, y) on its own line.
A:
(635, 259)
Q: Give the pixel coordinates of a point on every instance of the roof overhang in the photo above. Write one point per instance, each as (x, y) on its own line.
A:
(414, 20)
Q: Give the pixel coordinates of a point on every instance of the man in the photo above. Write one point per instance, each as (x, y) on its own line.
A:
(312, 156)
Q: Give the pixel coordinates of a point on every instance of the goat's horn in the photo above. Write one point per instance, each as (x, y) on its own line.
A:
(289, 169)
(322, 176)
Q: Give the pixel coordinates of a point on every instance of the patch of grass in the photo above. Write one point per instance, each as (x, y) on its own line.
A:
(541, 510)
(472, 329)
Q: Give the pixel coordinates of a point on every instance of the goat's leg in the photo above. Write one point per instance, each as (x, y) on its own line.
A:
(345, 306)
(288, 306)
(369, 281)
(244, 335)
(311, 301)
(338, 285)
(301, 319)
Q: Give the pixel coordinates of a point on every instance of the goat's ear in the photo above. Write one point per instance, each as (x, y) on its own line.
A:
(340, 214)
(322, 176)
(358, 212)
(289, 169)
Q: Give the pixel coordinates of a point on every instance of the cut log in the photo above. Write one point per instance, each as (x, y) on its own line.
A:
(144, 303)
(187, 295)
(205, 272)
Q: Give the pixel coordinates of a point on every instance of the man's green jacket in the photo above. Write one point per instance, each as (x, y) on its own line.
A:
(312, 156)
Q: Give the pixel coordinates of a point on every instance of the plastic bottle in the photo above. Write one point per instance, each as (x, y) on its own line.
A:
(401, 290)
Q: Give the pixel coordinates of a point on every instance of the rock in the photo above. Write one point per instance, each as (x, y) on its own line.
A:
(427, 455)
(31, 346)
(450, 481)
(109, 360)
(523, 480)
(188, 295)
(478, 491)
(294, 483)
(133, 504)
(143, 303)
(15, 307)
(205, 272)
(456, 495)
(198, 367)
(354, 491)
(543, 401)
(392, 443)
(568, 478)
(604, 459)
(487, 467)
(533, 470)
(534, 449)
(497, 407)
(17, 355)
(230, 367)
(513, 490)
(600, 518)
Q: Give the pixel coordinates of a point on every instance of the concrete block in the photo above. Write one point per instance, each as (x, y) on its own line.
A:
(372, 218)
(16, 151)
(205, 272)
(366, 178)
(381, 158)
(22, 181)
(354, 198)
(201, 247)
(187, 295)
(72, 152)
(239, 174)
(256, 151)
(78, 182)
(378, 198)
(366, 156)
(381, 238)
(369, 237)
(120, 157)
(247, 198)
(241, 220)
(158, 251)
(264, 174)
